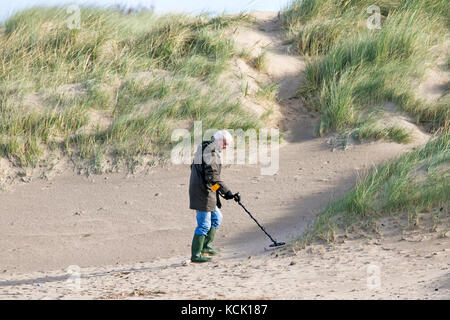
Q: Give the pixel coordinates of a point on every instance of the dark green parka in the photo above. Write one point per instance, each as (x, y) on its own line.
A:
(205, 172)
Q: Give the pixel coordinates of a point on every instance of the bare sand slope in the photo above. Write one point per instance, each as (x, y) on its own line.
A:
(129, 235)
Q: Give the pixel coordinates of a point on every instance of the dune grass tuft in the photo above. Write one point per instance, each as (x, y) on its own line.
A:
(417, 181)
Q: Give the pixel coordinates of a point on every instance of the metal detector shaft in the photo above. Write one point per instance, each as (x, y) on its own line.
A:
(275, 244)
(262, 228)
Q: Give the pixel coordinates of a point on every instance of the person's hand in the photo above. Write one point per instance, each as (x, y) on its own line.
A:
(229, 195)
(237, 197)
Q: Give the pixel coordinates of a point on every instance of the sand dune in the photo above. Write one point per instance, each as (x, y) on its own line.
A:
(130, 234)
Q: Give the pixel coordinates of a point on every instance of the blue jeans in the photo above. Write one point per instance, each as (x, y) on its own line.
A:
(207, 220)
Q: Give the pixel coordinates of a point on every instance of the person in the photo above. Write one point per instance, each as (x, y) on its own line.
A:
(205, 186)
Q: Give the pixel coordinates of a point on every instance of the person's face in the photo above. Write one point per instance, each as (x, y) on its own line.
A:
(222, 143)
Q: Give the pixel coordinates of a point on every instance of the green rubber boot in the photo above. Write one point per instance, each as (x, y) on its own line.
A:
(207, 248)
(197, 245)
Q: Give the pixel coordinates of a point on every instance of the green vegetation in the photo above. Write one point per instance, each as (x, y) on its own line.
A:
(260, 62)
(353, 69)
(415, 182)
(352, 72)
(268, 91)
(114, 87)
